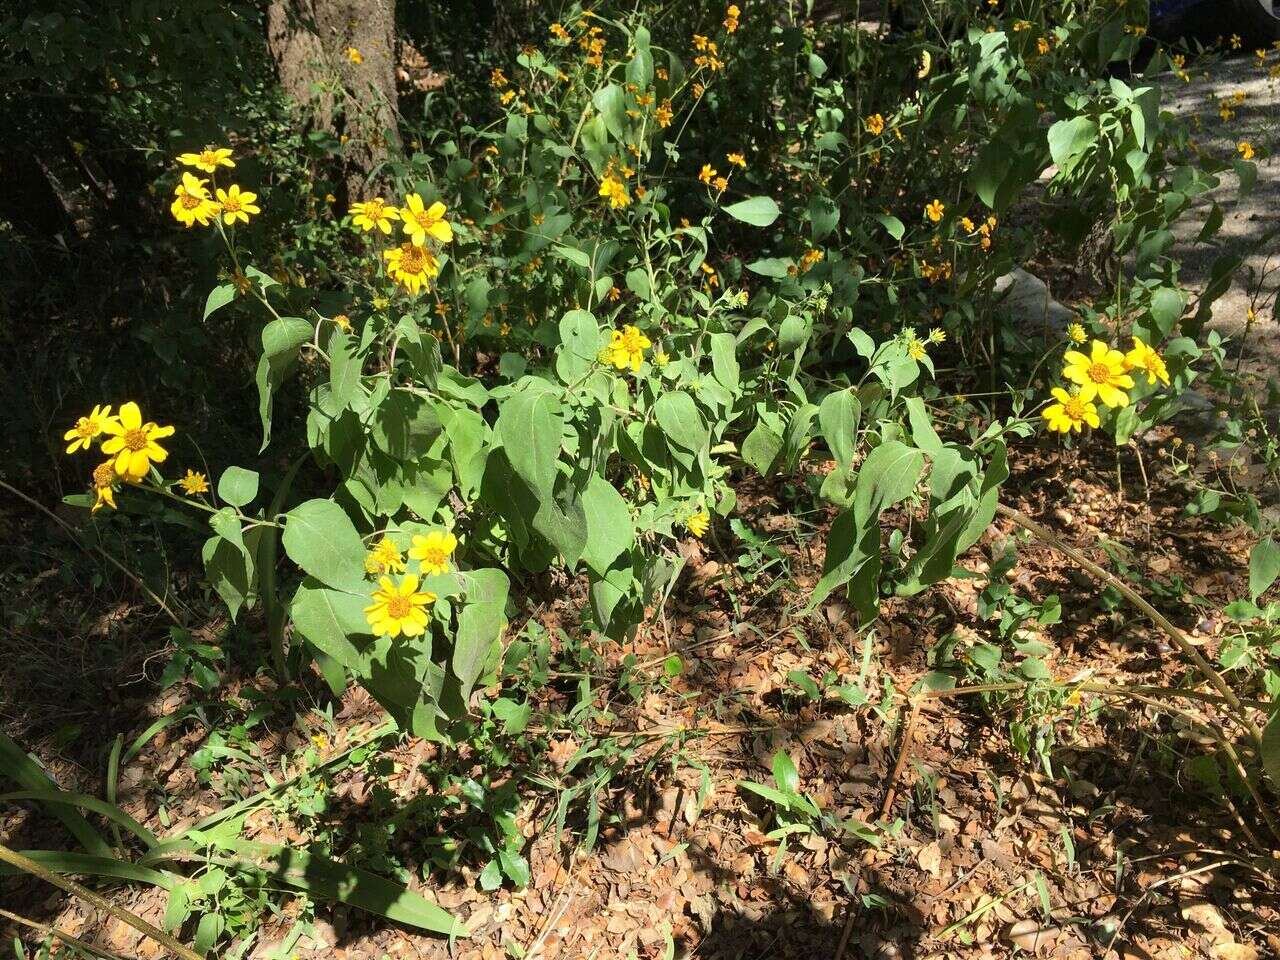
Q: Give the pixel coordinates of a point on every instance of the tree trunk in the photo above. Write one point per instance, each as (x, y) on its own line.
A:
(312, 42)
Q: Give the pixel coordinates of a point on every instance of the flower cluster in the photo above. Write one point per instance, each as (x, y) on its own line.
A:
(415, 262)
(401, 608)
(131, 447)
(626, 348)
(1105, 375)
(192, 202)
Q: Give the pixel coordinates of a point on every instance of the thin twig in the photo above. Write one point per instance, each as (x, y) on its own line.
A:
(904, 751)
(27, 865)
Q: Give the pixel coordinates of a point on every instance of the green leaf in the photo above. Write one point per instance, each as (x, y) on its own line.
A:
(480, 625)
(757, 211)
(580, 342)
(405, 426)
(344, 371)
(784, 773)
(530, 428)
(823, 217)
(681, 422)
(775, 267)
(611, 102)
(59, 861)
(28, 774)
(237, 486)
(761, 448)
(321, 539)
(282, 338)
(610, 529)
(724, 360)
(1264, 566)
(1070, 138)
(218, 298)
(1166, 309)
(838, 418)
(328, 879)
(892, 225)
(328, 618)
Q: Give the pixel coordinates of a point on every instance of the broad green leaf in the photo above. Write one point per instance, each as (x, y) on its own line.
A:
(1071, 137)
(610, 529)
(344, 371)
(892, 225)
(681, 422)
(757, 211)
(1166, 309)
(824, 214)
(580, 342)
(761, 448)
(282, 338)
(838, 418)
(328, 619)
(321, 539)
(724, 360)
(784, 773)
(611, 102)
(775, 267)
(530, 426)
(1264, 567)
(237, 486)
(480, 625)
(219, 297)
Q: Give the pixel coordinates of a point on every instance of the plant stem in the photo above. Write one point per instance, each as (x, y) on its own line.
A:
(27, 865)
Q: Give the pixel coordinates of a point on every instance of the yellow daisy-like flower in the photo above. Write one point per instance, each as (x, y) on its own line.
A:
(874, 124)
(917, 349)
(1101, 374)
(384, 557)
(937, 335)
(194, 482)
(626, 348)
(104, 486)
(1076, 333)
(1071, 412)
(398, 609)
(209, 159)
(707, 173)
(421, 221)
(237, 204)
(433, 551)
(354, 55)
(736, 159)
(412, 266)
(699, 523)
(375, 214)
(1245, 149)
(192, 203)
(87, 429)
(1144, 357)
(663, 114)
(613, 188)
(132, 444)
(934, 210)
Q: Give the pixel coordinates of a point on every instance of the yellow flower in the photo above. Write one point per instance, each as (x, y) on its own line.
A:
(209, 159)
(664, 114)
(191, 202)
(713, 279)
(320, 741)
(613, 188)
(626, 348)
(433, 551)
(193, 483)
(737, 159)
(398, 609)
(917, 349)
(133, 445)
(343, 322)
(559, 32)
(1144, 357)
(421, 221)
(731, 15)
(1042, 46)
(498, 79)
(720, 184)
(237, 204)
(698, 523)
(104, 486)
(374, 214)
(1245, 149)
(1235, 41)
(934, 210)
(660, 358)
(354, 55)
(874, 124)
(707, 173)
(700, 42)
(1076, 334)
(384, 557)
(87, 429)
(937, 335)
(507, 97)
(412, 266)
(1101, 374)
(380, 303)
(1071, 412)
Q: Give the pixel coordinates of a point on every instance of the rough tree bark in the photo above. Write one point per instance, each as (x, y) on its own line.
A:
(309, 40)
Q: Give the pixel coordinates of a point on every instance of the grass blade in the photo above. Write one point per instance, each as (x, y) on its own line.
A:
(28, 774)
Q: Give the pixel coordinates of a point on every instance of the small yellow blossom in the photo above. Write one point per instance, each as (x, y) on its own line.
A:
(343, 322)
(698, 523)
(1071, 412)
(433, 551)
(917, 349)
(613, 188)
(194, 482)
(1076, 333)
(192, 203)
(375, 214)
(421, 221)
(384, 557)
(237, 204)
(87, 429)
(874, 124)
(731, 15)
(736, 159)
(498, 79)
(937, 335)
(398, 609)
(707, 173)
(104, 486)
(934, 210)
(664, 114)
(1144, 357)
(1245, 149)
(412, 266)
(209, 159)
(626, 348)
(133, 444)
(354, 55)
(1101, 374)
